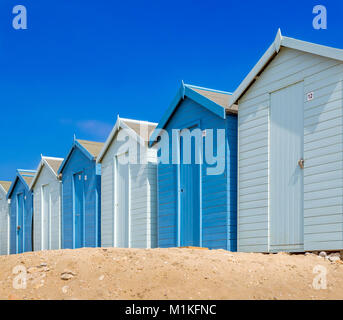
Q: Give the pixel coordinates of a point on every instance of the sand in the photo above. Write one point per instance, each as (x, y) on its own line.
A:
(167, 274)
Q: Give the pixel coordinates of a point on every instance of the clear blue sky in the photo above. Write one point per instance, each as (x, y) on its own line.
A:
(80, 63)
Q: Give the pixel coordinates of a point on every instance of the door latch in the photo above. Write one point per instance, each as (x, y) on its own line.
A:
(301, 163)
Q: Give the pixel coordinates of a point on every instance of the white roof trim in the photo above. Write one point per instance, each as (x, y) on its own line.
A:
(207, 89)
(281, 41)
(40, 167)
(121, 125)
(108, 141)
(138, 121)
(52, 158)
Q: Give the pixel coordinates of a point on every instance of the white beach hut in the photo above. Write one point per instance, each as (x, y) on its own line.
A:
(128, 186)
(290, 142)
(46, 188)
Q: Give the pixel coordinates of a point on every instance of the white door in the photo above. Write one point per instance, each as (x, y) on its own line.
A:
(122, 202)
(45, 218)
(286, 216)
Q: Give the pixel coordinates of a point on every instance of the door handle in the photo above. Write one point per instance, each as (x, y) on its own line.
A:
(301, 163)
(18, 228)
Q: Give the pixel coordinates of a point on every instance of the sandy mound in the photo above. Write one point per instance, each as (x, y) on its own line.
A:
(166, 274)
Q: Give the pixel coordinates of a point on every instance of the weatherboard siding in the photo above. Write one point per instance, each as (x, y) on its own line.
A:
(48, 179)
(323, 153)
(142, 199)
(218, 213)
(107, 203)
(4, 223)
(19, 188)
(323, 173)
(92, 204)
(231, 163)
(151, 223)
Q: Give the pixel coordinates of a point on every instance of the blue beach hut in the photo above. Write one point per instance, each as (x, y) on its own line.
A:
(21, 212)
(81, 185)
(197, 199)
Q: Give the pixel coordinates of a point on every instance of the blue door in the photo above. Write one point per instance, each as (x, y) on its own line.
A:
(20, 223)
(189, 191)
(78, 210)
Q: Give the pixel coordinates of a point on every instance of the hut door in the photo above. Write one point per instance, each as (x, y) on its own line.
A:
(122, 202)
(45, 218)
(20, 223)
(189, 189)
(78, 210)
(286, 217)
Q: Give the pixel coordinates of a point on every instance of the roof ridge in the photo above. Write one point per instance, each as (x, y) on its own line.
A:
(90, 141)
(26, 170)
(274, 49)
(137, 121)
(27, 173)
(207, 89)
(52, 158)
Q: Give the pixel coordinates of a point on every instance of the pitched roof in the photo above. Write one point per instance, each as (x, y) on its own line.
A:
(218, 97)
(5, 185)
(139, 130)
(54, 163)
(142, 128)
(26, 176)
(273, 50)
(28, 180)
(92, 147)
(215, 101)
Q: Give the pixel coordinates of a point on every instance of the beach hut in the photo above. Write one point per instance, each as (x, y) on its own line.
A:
(81, 191)
(128, 186)
(21, 210)
(46, 187)
(197, 197)
(290, 149)
(4, 218)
